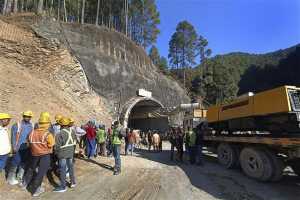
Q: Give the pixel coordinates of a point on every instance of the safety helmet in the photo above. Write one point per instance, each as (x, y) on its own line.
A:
(58, 117)
(45, 114)
(71, 120)
(28, 113)
(64, 121)
(44, 119)
(4, 116)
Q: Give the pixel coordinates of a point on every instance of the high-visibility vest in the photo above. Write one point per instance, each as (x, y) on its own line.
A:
(38, 142)
(192, 141)
(115, 137)
(70, 141)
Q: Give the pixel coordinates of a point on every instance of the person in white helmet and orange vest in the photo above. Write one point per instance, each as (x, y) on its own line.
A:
(41, 143)
(21, 153)
(5, 145)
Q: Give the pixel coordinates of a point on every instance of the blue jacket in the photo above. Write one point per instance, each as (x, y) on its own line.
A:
(25, 129)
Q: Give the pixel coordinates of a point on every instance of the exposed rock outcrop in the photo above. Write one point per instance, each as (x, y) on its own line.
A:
(43, 75)
(115, 67)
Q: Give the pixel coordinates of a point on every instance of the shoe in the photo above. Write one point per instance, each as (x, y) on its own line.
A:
(12, 177)
(73, 185)
(60, 189)
(38, 192)
(23, 185)
(117, 173)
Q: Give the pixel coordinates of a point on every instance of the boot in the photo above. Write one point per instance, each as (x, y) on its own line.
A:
(12, 178)
(20, 174)
(2, 178)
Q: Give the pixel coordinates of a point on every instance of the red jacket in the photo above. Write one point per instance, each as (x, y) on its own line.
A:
(90, 132)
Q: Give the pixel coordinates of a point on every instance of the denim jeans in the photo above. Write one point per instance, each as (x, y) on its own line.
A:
(131, 147)
(63, 164)
(116, 152)
(3, 160)
(90, 147)
(43, 164)
(21, 158)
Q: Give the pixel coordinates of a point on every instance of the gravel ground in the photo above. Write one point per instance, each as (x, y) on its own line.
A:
(149, 175)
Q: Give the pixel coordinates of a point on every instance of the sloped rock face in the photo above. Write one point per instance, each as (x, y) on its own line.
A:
(41, 75)
(115, 67)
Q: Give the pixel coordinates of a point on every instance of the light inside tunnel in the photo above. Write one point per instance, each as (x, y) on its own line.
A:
(145, 115)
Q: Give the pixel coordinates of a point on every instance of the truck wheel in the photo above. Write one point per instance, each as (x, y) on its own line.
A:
(295, 165)
(269, 168)
(227, 155)
(253, 163)
(278, 165)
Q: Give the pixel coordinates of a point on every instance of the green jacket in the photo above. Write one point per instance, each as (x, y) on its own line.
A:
(101, 136)
(116, 139)
(192, 140)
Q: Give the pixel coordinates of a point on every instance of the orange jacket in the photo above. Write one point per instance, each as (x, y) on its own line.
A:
(41, 142)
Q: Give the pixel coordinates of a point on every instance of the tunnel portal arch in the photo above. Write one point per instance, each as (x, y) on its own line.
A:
(143, 113)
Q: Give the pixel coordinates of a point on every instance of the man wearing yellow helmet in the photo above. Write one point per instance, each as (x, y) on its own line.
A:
(65, 143)
(5, 146)
(21, 152)
(56, 126)
(41, 143)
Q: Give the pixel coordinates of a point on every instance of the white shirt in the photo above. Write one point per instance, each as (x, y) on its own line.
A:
(5, 146)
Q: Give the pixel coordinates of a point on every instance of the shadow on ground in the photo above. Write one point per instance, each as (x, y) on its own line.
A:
(228, 184)
(105, 166)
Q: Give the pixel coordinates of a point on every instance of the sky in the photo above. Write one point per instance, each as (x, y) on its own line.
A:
(253, 26)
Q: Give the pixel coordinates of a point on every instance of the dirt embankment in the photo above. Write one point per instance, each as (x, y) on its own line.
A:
(42, 75)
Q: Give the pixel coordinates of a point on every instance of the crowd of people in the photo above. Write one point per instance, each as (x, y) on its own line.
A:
(192, 139)
(30, 151)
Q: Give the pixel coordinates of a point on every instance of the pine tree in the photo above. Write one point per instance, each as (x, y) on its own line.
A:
(40, 7)
(183, 47)
(154, 55)
(144, 19)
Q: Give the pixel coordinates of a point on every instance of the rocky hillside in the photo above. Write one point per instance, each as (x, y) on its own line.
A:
(42, 75)
(115, 66)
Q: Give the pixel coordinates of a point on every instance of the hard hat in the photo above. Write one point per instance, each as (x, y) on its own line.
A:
(58, 117)
(64, 121)
(4, 116)
(45, 114)
(44, 119)
(28, 113)
(71, 120)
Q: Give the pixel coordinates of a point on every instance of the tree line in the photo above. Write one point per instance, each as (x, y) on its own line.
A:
(223, 77)
(137, 19)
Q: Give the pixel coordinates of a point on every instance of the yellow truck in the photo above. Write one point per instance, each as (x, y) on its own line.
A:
(260, 133)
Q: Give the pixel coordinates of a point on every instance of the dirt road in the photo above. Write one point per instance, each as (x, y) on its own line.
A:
(152, 176)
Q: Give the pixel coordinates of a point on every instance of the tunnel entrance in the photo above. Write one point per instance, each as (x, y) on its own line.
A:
(143, 113)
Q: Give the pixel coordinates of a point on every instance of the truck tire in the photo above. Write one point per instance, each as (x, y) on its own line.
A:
(295, 165)
(255, 164)
(278, 165)
(269, 168)
(227, 155)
